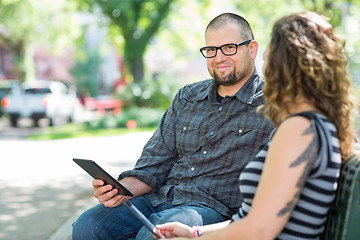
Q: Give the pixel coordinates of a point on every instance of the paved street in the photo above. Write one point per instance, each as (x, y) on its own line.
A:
(42, 190)
(7, 132)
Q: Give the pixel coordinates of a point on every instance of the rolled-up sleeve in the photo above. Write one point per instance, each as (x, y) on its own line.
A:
(159, 154)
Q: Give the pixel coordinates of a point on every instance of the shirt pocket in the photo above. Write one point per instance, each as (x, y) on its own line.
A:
(188, 137)
(244, 138)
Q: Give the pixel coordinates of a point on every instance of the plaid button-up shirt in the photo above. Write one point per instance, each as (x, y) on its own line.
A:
(201, 146)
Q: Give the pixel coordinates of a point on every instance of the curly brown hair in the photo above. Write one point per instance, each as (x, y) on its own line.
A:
(307, 60)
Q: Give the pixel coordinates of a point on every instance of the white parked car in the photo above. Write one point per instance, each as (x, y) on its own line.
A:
(8, 87)
(41, 99)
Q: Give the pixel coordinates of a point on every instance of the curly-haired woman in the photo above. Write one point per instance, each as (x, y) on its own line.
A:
(288, 187)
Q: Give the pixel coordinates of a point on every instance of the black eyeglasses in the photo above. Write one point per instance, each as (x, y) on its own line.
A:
(226, 49)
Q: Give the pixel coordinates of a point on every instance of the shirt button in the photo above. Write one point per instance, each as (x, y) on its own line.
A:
(204, 152)
(192, 169)
(240, 131)
(184, 128)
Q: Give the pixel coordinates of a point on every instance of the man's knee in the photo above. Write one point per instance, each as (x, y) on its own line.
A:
(101, 222)
(86, 225)
(95, 223)
(186, 216)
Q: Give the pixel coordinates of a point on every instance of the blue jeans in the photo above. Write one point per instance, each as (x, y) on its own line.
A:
(101, 222)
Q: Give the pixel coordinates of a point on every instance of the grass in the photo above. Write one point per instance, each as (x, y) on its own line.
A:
(79, 130)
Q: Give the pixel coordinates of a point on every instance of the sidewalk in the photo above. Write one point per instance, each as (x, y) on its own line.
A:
(42, 191)
(64, 231)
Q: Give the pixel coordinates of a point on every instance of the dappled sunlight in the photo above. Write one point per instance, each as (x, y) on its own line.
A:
(25, 211)
(27, 206)
(4, 218)
(41, 187)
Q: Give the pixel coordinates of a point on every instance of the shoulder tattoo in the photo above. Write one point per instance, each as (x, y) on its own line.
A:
(308, 156)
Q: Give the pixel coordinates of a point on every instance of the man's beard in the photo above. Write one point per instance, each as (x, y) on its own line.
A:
(226, 80)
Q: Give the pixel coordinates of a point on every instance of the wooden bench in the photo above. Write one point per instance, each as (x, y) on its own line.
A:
(344, 217)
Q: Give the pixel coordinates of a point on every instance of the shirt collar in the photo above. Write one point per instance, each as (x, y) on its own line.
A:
(208, 90)
(246, 93)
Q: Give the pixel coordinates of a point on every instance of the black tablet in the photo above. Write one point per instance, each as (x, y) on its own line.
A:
(97, 172)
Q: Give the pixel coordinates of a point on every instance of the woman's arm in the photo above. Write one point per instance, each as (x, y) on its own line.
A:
(289, 160)
(176, 229)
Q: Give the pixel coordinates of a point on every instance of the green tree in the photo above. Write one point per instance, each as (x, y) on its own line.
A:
(137, 21)
(26, 24)
(14, 38)
(86, 70)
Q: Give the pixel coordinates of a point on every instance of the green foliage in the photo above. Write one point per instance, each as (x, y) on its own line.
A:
(262, 17)
(138, 21)
(143, 117)
(157, 93)
(25, 24)
(86, 71)
(331, 9)
(356, 92)
(79, 130)
(143, 102)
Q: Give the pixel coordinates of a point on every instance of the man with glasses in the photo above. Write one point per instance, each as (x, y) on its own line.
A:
(188, 171)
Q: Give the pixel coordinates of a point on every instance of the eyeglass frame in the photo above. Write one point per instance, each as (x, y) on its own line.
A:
(217, 48)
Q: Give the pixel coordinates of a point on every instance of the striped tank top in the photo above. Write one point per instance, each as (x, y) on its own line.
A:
(310, 213)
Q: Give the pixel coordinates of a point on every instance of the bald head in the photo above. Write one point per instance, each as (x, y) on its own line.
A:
(231, 18)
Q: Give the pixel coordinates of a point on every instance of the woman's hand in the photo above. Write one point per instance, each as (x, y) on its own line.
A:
(175, 229)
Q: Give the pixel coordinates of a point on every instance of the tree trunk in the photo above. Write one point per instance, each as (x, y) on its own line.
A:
(2, 62)
(138, 69)
(29, 63)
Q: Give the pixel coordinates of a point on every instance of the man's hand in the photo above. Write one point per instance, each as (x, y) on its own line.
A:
(107, 194)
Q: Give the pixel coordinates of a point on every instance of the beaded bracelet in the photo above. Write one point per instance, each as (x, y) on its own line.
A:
(197, 232)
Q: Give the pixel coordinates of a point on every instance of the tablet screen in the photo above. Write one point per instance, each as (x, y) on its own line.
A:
(97, 172)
